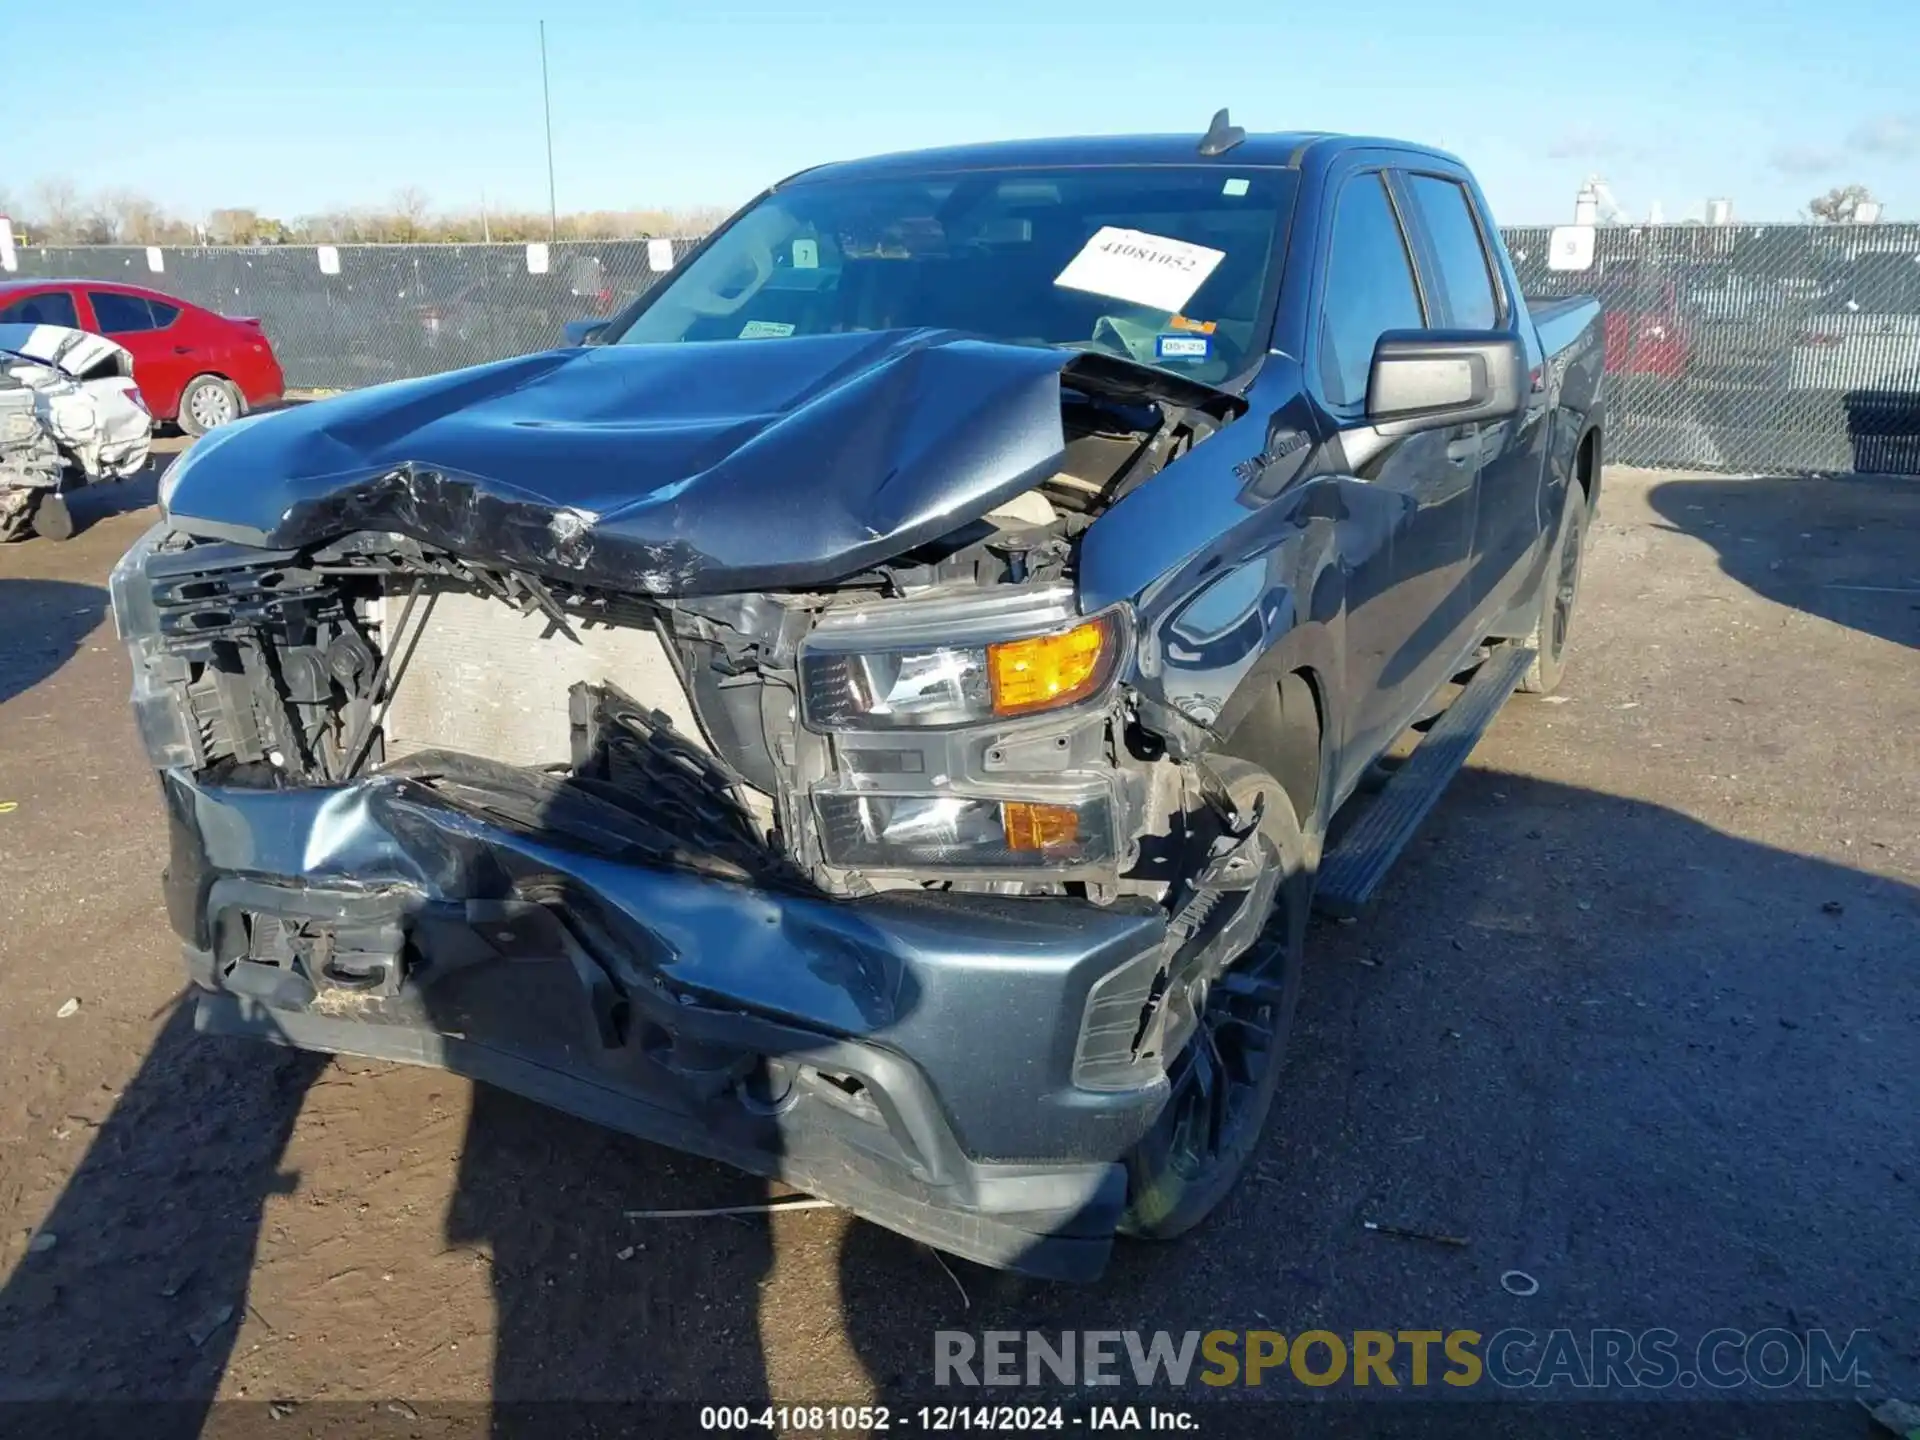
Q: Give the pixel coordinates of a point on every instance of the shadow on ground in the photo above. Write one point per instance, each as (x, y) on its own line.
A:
(42, 623)
(91, 504)
(1841, 547)
(1670, 1071)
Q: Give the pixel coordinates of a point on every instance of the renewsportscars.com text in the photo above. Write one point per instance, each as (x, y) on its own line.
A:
(1600, 1359)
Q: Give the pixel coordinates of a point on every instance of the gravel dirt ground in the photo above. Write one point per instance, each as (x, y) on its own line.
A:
(1639, 1014)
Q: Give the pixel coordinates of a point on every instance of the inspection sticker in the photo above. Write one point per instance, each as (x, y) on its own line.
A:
(1139, 267)
(1182, 347)
(766, 330)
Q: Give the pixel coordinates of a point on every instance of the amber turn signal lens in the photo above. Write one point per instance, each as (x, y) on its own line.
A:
(1048, 670)
(1039, 827)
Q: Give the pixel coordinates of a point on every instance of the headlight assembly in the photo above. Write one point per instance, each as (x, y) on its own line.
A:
(933, 664)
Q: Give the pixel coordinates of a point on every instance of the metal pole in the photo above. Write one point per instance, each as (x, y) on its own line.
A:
(546, 105)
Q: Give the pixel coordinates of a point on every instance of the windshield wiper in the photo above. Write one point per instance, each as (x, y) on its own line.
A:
(1100, 372)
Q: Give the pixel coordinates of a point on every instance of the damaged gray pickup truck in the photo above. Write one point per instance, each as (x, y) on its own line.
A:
(875, 712)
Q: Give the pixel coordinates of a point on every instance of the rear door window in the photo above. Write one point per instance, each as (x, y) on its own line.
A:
(49, 307)
(119, 314)
(1468, 300)
(1370, 288)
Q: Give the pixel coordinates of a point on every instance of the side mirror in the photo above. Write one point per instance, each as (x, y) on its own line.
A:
(1427, 379)
(583, 332)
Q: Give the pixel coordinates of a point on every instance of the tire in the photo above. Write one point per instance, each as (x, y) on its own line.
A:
(53, 521)
(207, 403)
(1249, 1008)
(1559, 596)
(26, 513)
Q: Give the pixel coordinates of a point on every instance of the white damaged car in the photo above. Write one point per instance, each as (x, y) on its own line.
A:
(70, 414)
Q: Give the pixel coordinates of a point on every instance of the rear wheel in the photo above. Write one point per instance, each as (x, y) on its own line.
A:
(1559, 594)
(207, 403)
(1223, 1081)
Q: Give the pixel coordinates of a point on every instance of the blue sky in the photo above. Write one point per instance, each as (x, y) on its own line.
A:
(293, 108)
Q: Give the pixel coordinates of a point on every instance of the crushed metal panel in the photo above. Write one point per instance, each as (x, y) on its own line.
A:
(681, 470)
(485, 679)
(76, 353)
(85, 408)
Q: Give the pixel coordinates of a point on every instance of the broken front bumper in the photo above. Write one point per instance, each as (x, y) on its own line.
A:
(954, 1067)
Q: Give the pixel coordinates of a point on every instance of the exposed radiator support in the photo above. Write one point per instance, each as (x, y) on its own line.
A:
(486, 679)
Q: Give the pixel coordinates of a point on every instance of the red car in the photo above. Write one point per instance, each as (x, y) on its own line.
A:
(1645, 332)
(195, 368)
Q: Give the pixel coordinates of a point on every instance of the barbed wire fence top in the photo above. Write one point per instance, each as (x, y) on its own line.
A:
(1728, 347)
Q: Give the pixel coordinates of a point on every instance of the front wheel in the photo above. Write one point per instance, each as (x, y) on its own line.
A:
(1222, 1083)
(1559, 594)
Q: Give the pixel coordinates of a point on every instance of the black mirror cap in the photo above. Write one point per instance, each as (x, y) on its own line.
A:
(583, 332)
(1427, 379)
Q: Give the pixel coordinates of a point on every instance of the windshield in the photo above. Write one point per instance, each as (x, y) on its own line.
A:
(1163, 264)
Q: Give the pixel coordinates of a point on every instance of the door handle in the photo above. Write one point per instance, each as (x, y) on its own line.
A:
(183, 349)
(1465, 450)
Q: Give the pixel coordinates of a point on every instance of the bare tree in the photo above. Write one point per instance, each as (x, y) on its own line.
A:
(95, 227)
(136, 219)
(60, 213)
(1840, 204)
(409, 218)
(233, 226)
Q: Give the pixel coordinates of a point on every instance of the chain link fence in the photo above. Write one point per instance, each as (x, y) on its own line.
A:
(1739, 348)
(352, 315)
(1746, 348)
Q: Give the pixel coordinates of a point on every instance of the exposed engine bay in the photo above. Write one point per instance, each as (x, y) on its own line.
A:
(68, 410)
(943, 719)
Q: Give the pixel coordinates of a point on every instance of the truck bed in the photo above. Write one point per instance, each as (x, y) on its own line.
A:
(1562, 320)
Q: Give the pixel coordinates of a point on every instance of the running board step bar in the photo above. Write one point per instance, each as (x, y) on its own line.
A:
(1353, 869)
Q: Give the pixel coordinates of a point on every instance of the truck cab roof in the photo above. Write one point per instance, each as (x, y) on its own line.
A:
(1287, 149)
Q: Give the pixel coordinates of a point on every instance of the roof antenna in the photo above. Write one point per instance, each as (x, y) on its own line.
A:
(1222, 135)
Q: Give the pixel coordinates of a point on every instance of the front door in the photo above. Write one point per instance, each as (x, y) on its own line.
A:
(1408, 532)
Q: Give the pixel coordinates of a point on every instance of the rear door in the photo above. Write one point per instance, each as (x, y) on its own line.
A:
(1407, 554)
(163, 361)
(1466, 291)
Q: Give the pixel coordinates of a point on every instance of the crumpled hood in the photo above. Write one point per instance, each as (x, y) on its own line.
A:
(667, 469)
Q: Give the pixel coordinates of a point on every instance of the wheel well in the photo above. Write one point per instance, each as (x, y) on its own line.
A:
(1282, 735)
(1585, 462)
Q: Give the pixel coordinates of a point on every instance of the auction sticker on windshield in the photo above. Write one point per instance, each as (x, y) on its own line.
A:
(1140, 268)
